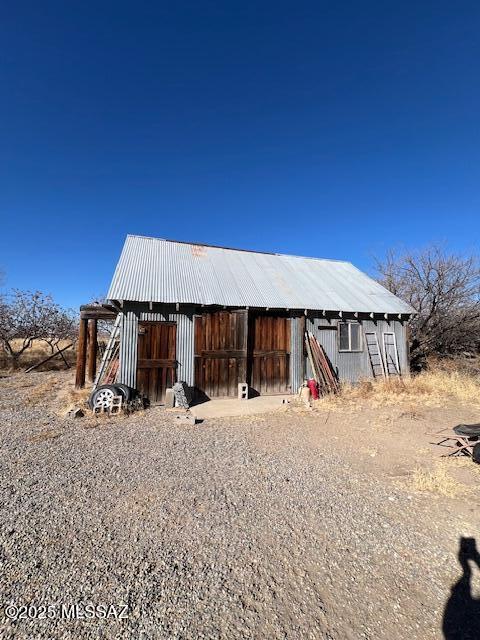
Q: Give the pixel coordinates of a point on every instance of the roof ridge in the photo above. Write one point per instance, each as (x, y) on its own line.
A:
(217, 246)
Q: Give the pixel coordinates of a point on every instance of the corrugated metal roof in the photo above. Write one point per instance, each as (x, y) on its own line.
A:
(154, 270)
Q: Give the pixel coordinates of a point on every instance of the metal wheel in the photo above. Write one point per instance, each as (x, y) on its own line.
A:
(102, 396)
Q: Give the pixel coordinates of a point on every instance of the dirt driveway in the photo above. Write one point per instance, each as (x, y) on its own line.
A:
(290, 525)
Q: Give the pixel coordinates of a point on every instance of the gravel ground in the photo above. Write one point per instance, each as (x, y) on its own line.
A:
(229, 529)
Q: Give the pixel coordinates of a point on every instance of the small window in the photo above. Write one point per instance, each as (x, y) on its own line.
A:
(349, 336)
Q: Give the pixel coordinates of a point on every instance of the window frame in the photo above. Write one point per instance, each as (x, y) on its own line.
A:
(360, 336)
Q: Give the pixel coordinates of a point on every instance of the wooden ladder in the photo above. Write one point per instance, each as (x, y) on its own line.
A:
(110, 353)
(374, 354)
(390, 354)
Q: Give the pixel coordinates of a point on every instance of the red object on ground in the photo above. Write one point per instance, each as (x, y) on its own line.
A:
(313, 386)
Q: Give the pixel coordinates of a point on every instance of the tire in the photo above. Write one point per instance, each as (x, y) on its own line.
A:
(125, 391)
(102, 396)
(476, 453)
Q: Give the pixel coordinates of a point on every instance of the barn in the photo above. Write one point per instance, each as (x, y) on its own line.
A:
(215, 317)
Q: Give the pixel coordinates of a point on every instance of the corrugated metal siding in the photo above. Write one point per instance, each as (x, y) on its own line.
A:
(327, 338)
(400, 331)
(154, 270)
(129, 338)
(354, 366)
(185, 347)
(128, 349)
(296, 355)
(349, 366)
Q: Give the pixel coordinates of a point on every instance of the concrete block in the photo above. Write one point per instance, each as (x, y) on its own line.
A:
(242, 391)
(76, 412)
(116, 406)
(169, 399)
(99, 410)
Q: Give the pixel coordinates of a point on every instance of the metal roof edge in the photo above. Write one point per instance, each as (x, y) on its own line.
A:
(218, 246)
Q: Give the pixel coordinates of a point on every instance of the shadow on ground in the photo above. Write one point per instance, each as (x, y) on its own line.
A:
(461, 618)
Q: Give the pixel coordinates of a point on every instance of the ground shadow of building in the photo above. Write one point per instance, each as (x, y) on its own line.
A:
(461, 618)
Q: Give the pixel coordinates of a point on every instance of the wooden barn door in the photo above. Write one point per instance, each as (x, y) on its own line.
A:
(156, 359)
(270, 354)
(220, 352)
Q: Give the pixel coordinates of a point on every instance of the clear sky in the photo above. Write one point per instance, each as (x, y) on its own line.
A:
(331, 129)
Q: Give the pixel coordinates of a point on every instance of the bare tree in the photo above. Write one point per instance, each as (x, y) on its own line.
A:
(444, 289)
(62, 325)
(26, 316)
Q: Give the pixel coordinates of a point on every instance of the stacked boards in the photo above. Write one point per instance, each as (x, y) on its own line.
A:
(322, 368)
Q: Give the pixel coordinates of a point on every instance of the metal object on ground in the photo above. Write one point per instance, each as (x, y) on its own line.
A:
(467, 429)
(183, 394)
(460, 445)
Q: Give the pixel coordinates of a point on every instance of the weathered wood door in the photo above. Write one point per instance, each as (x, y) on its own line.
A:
(220, 352)
(270, 354)
(156, 367)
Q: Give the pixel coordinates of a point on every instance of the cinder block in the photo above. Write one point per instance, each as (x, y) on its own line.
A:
(116, 406)
(169, 399)
(99, 410)
(242, 391)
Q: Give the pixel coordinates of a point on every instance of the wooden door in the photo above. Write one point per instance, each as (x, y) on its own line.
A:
(270, 354)
(156, 367)
(220, 352)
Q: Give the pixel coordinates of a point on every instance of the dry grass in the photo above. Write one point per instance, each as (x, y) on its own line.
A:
(68, 397)
(45, 435)
(36, 353)
(435, 387)
(41, 392)
(437, 480)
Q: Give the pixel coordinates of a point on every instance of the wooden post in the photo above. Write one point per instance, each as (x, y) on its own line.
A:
(302, 347)
(81, 354)
(92, 349)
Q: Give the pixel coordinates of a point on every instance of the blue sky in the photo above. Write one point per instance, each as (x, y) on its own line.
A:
(326, 129)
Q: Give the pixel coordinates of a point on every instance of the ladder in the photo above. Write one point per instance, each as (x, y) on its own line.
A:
(111, 351)
(390, 353)
(374, 354)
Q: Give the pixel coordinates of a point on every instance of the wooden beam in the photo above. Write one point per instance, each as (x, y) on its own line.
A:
(92, 350)
(101, 312)
(59, 352)
(81, 354)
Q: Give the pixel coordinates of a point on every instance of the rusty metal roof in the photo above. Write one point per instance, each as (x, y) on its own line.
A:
(155, 270)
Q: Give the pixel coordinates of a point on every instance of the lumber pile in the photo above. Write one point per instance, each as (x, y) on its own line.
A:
(322, 368)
